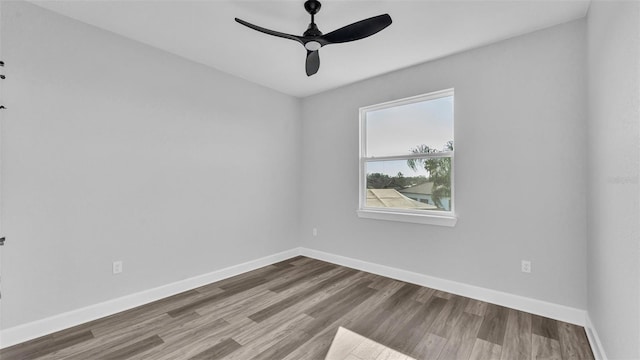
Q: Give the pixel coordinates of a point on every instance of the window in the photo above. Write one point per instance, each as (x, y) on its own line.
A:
(406, 160)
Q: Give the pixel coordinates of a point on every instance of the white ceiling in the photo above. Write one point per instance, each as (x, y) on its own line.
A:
(422, 30)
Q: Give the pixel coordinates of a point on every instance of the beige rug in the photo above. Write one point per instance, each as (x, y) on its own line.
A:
(348, 345)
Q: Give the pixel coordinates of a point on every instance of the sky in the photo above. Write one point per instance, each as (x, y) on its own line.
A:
(397, 130)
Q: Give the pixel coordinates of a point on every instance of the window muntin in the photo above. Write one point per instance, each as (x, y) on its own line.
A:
(406, 156)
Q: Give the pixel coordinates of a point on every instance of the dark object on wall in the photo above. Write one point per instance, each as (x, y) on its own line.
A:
(313, 39)
(2, 107)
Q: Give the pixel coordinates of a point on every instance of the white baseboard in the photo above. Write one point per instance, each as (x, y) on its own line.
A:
(538, 307)
(32, 330)
(29, 331)
(594, 340)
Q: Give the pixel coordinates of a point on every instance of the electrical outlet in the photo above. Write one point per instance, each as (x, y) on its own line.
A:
(315, 231)
(117, 267)
(526, 266)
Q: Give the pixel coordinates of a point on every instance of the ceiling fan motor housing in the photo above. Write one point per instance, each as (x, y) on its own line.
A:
(312, 30)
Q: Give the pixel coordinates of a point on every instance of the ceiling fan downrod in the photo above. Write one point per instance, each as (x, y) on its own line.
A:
(312, 7)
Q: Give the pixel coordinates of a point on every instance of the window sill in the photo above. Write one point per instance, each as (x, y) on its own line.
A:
(411, 218)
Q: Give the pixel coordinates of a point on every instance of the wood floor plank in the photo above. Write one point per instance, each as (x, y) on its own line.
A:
(544, 348)
(494, 324)
(114, 340)
(133, 349)
(476, 307)
(442, 294)
(318, 346)
(288, 262)
(377, 316)
(329, 304)
(261, 296)
(292, 310)
(302, 296)
(261, 336)
(300, 278)
(356, 314)
(359, 313)
(235, 305)
(229, 291)
(193, 341)
(517, 340)
(573, 342)
(429, 347)
(113, 324)
(250, 301)
(377, 301)
(194, 325)
(259, 332)
(230, 285)
(413, 331)
(324, 317)
(484, 350)
(45, 345)
(298, 308)
(257, 273)
(219, 350)
(544, 327)
(241, 286)
(389, 329)
(327, 316)
(147, 314)
(379, 282)
(284, 347)
(208, 290)
(462, 339)
(254, 298)
(447, 319)
(302, 260)
(424, 294)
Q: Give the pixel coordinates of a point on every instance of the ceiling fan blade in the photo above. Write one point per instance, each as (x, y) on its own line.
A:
(358, 30)
(270, 32)
(313, 62)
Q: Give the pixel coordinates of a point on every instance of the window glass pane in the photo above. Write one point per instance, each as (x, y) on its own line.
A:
(419, 184)
(400, 130)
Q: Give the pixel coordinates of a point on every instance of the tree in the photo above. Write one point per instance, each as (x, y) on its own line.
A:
(400, 180)
(439, 170)
(378, 181)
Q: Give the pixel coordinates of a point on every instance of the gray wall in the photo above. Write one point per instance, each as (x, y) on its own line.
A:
(112, 150)
(520, 133)
(614, 161)
(116, 151)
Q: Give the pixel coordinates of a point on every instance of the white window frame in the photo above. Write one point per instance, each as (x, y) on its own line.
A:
(431, 217)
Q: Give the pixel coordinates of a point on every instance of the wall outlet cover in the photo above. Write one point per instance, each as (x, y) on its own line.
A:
(117, 267)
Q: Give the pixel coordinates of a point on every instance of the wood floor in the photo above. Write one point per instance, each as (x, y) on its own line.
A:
(293, 309)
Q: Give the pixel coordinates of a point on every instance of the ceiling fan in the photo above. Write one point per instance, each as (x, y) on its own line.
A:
(313, 39)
